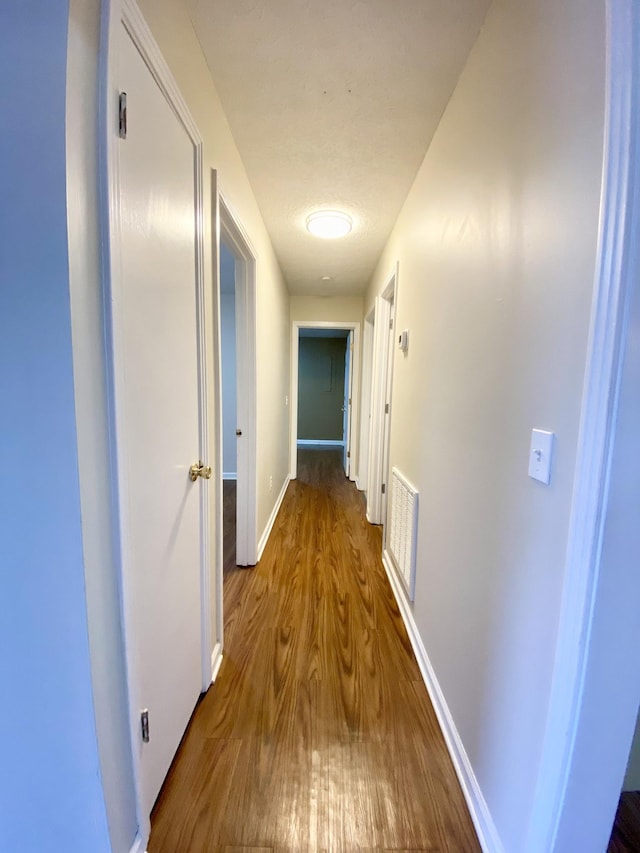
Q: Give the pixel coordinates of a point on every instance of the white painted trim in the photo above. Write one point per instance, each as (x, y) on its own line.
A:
(138, 845)
(232, 231)
(216, 661)
(227, 476)
(218, 523)
(478, 808)
(365, 400)
(323, 442)
(382, 364)
(272, 518)
(126, 13)
(354, 327)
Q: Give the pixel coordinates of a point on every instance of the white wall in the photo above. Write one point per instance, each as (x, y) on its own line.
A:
(496, 248)
(611, 688)
(329, 309)
(50, 776)
(171, 26)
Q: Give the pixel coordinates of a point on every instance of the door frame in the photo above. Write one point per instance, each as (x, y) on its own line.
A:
(365, 402)
(381, 379)
(230, 229)
(354, 328)
(117, 13)
(347, 397)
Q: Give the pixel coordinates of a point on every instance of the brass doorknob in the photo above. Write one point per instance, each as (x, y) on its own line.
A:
(199, 470)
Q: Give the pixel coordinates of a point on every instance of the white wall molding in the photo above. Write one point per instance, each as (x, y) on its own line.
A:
(216, 660)
(382, 367)
(478, 808)
(138, 846)
(272, 518)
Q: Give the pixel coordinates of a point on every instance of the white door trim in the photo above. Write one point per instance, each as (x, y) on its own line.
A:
(365, 402)
(382, 364)
(231, 229)
(114, 14)
(617, 269)
(354, 327)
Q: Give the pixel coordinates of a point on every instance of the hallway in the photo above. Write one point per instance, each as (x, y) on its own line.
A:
(318, 733)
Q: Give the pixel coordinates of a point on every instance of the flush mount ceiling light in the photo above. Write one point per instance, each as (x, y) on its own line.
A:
(329, 224)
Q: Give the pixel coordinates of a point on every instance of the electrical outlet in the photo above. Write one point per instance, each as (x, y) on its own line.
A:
(286, 399)
(270, 482)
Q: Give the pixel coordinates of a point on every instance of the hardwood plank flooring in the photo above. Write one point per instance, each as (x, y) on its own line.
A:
(318, 734)
(229, 492)
(625, 835)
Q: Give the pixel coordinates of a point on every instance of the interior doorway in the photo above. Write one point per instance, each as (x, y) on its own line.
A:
(228, 361)
(324, 382)
(236, 259)
(381, 399)
(365, 404)
(234, 308)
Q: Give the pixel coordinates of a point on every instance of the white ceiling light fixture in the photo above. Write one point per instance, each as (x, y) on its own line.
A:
(329, 224)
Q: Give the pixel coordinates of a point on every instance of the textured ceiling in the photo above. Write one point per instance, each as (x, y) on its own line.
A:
(332, 104)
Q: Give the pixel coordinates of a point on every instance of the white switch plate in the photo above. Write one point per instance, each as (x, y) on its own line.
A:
(540, 455)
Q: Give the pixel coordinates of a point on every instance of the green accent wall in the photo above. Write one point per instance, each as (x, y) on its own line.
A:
(321, 365)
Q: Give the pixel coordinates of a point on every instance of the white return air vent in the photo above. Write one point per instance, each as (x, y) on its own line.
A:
(403, 530)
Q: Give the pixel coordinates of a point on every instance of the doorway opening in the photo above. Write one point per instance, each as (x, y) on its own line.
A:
(324, 387)
(382, 349)
(228, 366)
(235, 399)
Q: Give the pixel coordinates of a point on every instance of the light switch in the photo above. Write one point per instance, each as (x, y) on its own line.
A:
(540, 455)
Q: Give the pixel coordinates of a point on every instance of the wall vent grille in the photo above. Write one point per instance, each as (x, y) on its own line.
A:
(403, 530)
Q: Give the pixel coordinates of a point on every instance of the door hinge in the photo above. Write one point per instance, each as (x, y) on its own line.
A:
(144, 725)
(349, 400)
(386, 408)
(348, 454)
(384, 488)
(122, 116)
(390, 321)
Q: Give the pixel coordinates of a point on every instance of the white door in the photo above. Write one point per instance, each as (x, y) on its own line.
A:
(157, 418)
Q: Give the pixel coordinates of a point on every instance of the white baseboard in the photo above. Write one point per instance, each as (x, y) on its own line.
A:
(323, 442)
(272, 518)
(478, 808)
(138, 846)
(216, 660)
(229, 476)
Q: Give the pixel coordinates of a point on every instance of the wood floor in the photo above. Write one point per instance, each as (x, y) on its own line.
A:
(229, 492)
(625, 836)
(318, 734)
